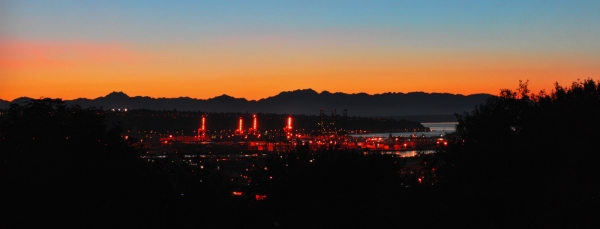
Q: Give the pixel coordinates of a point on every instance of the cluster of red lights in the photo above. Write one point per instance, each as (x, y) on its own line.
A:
(258, 197)
(240, 129)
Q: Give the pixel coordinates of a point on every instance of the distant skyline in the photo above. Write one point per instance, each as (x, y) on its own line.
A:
(257, 49)
(125, 94)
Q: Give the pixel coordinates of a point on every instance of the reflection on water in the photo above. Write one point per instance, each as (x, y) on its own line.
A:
(441, 126)
(408, 153)
(437, 129)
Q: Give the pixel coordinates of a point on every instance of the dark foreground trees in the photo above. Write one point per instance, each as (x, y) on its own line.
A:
(530, 159)
(526, 160)
(64, 166)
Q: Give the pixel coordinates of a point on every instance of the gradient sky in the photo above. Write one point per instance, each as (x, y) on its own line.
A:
(256, 49)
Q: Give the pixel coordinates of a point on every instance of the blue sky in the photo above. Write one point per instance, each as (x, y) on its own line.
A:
(507, 31)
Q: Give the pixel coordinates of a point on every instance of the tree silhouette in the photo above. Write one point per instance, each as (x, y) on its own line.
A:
(63, 165)
(533, 156)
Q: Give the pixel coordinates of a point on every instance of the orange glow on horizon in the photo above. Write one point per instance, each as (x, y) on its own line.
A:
(91, 70)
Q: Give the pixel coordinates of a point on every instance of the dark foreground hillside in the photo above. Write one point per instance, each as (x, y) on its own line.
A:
(519, 160)
(531, 159)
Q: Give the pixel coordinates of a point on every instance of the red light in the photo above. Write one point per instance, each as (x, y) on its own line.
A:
(260, 197)
(237, 193)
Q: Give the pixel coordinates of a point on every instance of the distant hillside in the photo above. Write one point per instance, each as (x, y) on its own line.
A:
(305, 101)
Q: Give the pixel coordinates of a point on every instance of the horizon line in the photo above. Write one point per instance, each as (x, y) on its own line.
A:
(324, 91)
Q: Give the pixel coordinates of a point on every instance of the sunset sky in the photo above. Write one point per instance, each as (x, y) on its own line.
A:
(256, 49)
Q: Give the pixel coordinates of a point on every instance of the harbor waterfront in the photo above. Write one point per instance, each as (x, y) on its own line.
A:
(398, 143)
(246, 162)
(437, 129)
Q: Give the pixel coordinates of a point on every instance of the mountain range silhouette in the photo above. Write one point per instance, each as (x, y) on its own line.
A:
(306, 101)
